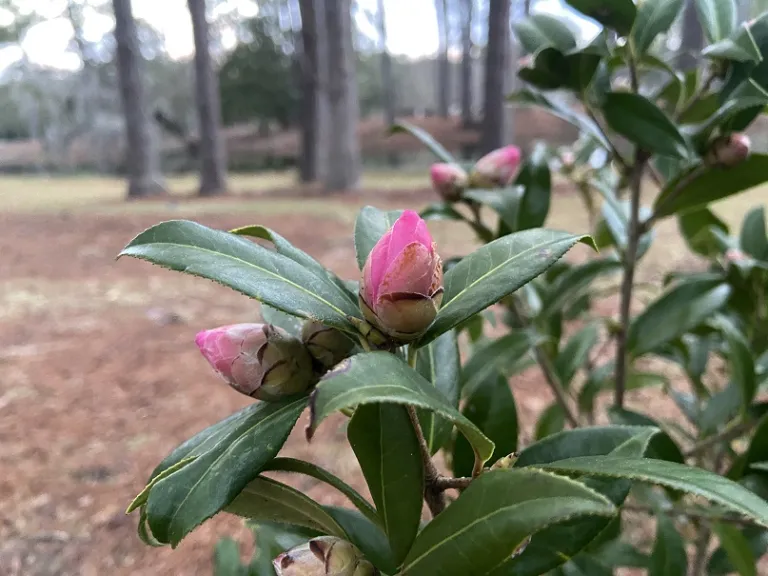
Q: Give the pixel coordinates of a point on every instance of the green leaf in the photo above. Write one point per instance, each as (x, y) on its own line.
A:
(505, 202)
(696, 228)
(586, 565)
(669, 557)
(661, 446)
(739, 47)
(681, 308)
(757, 540)
(502, 355)
(251, 269)
(382, 377)
(756, 452)
(737, 547)
(551, 421)
(497, 270)
(266, 500)
(530, 98)
(287, 322)
(684, 193)
(645, 124)
(492, 408)
(718, 18)
(753, 239)
(575, 282)
(387, 449)
(740, 361)
(366, 535)
(616, 14)
(687, 479)
(617, 553)
(654, 17)
(494, 516)
(226, 559)
(370, 226)
(536, 179)
(299, 256)
(425, 138)
(575, 353)
(541, 31)
(552, 70)
(439, 363)
(227, 457)
(313, 471)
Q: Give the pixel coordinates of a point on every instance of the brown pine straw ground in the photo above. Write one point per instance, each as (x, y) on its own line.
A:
(100, 378)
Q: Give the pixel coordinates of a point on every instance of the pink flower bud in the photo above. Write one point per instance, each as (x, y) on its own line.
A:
(448, 180)
(735, 255)
(258, 360)
(729, 151)
(402, 282)
(324, 556)
(496, 169)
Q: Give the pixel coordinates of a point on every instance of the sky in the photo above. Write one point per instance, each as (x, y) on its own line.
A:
(411, 26)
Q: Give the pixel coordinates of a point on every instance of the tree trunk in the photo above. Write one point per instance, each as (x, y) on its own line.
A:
(143, 178)
(310, 106)
(692, 40)
(466, 62)
(343, 146)
(527, 7)
(213, 161)
(387, 82)
(497, 55)
(443, 65)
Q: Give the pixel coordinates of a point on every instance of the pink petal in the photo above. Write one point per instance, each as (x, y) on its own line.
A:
(412, 271)
(375, 267)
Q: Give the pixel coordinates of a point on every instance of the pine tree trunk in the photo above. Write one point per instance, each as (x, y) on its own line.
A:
(692, 37)
(143, 179)
(310, 106)
(343, 146)
(466, 62)
(497, 56)
(212, 155)
(443, 65)
(387, 81)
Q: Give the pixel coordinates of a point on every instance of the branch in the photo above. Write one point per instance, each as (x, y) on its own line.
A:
(727, 435)
(433, 494)
(614, 151)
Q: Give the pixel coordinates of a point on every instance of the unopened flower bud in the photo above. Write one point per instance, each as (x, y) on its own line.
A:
(448, 180)
(325, 344)
(259, 360)
(506, 462)
(735, 255)
(496, 169)
(729, 151)
(402, 282)
(324, 556)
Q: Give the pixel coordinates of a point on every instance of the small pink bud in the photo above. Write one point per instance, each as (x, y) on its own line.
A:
(735, 255)
(323, 556)
(496, 169)
(729, 151)
(448, 180)
(402, 281)
(258, 360)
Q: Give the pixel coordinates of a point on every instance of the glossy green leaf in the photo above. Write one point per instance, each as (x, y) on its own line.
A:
(661, 446)
(382, 377)
(226, 458)
(313, 471)
(746, 97)
(718, 18)
(226, 559)
(616, 14)
(669, 557)
(681, 308)
(755, 454)
(492, 408)
(505, 202)
(366, 535)
(387, 449)
(757, 542)
(551, 421)
(575, 353)
(687, 479)
(576, 281)
(289, 323)
(494, 516)
(739, 47)
(618, 553)
(737, 548)
(245, 266)
(684, 193)
(541, 31)
(536, 180)
(501, 355)
(753, 239)
(696, 227)
(552, 70)
(530, 98)
(721, 408)
(654, 17)
(497, 270)
(645, 124)
(266, 500)
(370, 226)
(740, 361)
(425, 138)
(439, 364)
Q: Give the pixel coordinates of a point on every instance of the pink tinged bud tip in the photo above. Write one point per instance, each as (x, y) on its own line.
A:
(448, 180)
(497, 168)
(730, 151)
(402, 281)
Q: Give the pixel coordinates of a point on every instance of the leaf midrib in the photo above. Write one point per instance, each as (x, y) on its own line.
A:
(250, 264)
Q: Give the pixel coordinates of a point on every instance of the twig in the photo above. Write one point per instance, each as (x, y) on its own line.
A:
(445, 483)
(547, 369)
(433, 494)
(630, 260)
(614, 151)
(728, 434)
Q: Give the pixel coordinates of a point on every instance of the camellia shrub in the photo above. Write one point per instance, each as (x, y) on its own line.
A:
(656, 143)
